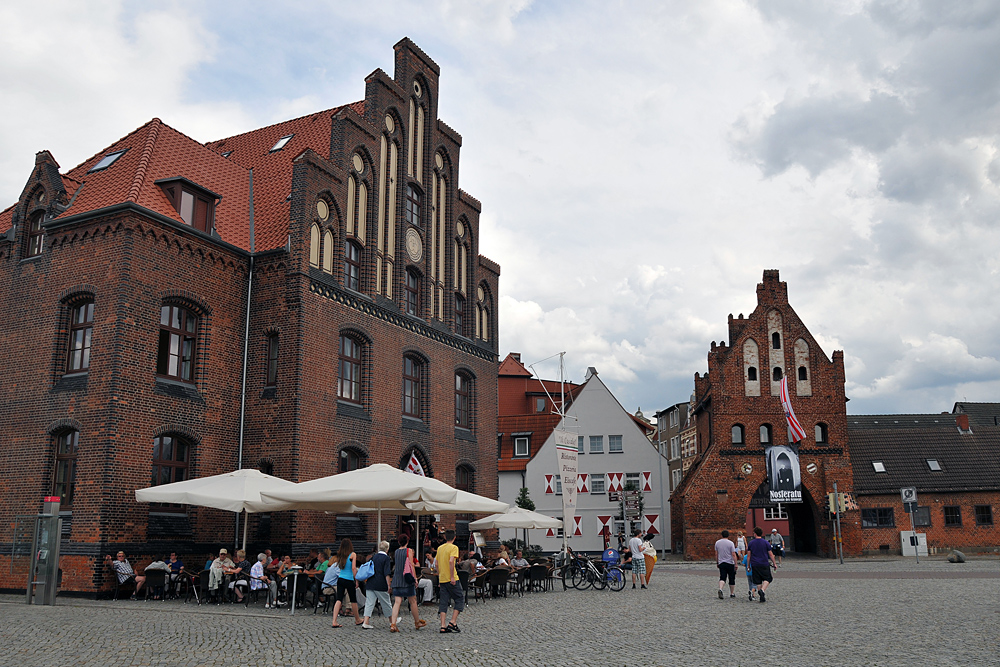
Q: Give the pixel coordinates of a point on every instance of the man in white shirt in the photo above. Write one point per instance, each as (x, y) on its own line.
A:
(638, 561)
(725, 556)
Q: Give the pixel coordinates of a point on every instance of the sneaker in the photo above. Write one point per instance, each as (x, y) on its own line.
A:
(750, 595)
(267, 606)
(721, 596)
(365, 626)
(643, 587)
(732, 595)
(762, 598)
(633, 588)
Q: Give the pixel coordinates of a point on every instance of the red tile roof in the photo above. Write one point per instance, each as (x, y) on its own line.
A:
(539, 425)
(272, 172)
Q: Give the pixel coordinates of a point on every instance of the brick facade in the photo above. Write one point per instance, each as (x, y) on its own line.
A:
(111, 237)
(717, 491)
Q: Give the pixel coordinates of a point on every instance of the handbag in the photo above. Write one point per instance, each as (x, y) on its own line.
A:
(409, 576)
(365, 571)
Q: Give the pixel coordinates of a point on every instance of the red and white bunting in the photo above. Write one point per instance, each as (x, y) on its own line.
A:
(583, 483)
(646, 484)
(615, 481)
(651, 523)
(414, 465)
(577, 530)
(550, 485)
(604, 521)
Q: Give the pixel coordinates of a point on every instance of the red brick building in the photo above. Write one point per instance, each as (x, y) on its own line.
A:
(304, 298)
(737, 413)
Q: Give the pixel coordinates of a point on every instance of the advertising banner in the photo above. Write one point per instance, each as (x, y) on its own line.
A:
(566, 452)
(783, 474)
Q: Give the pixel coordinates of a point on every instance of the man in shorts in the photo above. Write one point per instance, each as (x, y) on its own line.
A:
(761, 559)
(725, 556)
(450, 587)
(638, 561)
(777, 545)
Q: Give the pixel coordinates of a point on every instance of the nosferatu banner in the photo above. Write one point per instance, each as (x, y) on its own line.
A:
(783, 473)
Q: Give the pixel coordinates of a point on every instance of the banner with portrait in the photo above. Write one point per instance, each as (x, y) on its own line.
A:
(783, 473)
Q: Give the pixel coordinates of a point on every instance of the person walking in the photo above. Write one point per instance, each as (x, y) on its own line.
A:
(377, 585)
(761, 559)
(741, 543)
(451, 588)
(725, 556)
(777, 545)
(403, 587)
(751, 587)
(638, 560)
(347, 560)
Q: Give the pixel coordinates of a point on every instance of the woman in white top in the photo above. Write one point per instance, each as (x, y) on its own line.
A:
(741, 542)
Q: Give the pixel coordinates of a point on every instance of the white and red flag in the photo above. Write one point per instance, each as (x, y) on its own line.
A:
(414, 465)
(794, 427)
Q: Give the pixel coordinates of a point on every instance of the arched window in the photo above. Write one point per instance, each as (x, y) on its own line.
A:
(412, 382)
(803, 373)
(751, 374)
(352, 459)
(314, 246)
(821, 433)
(64, 480)
(412, 293)
(465, 479)
(328, 251)
(412, 205)
(170, 464)
(349, 387)
(36, 235)
(352, 266)
(776, 340)
(463, 400)
(737, 435)
(460, 314)
(765, 434)
(776, 374)
(81, 327)
(175, 358)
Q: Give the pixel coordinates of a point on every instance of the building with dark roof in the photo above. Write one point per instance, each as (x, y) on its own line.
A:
(305, 298)
(953, 462)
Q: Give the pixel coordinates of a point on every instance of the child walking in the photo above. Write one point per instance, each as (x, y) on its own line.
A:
(751, 593)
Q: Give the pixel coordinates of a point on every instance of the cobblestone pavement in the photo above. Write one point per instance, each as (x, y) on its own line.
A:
(866, 612)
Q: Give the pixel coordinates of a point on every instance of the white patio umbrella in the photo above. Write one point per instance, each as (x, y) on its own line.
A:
(516, 517)
(375, 488)
(465, 503)
(237, 491)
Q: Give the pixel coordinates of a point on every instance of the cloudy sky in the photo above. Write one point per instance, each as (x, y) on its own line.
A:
(640, 163)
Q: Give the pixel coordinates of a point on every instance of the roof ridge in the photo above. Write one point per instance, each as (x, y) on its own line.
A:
(330, 111)
(113, 143)
(147, 152)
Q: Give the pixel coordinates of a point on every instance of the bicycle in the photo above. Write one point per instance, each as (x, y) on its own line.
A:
(586, 575)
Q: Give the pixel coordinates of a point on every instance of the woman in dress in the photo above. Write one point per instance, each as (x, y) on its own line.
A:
(347, 560)
(401, 588)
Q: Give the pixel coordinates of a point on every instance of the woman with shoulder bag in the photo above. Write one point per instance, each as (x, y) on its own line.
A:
(404, 582)
(347, 560)
(649, 555)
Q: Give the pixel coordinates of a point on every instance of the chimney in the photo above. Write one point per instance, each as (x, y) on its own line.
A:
(590, 372)
(516, 356)
(963, 423)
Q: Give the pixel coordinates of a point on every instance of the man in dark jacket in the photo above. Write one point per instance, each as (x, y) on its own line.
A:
(377, 585)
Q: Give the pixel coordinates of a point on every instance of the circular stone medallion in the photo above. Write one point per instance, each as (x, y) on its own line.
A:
(460, 228)
(414, 246)
(747, 468)
(359, 165)
(389, 124)
(811, 468)
(322, 210)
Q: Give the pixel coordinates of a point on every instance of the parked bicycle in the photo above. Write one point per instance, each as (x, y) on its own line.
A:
(585, 573)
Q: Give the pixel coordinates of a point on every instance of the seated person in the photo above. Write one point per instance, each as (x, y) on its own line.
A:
(218, 570)
(429, 562)
(239, 584)
(123, 571)
(519, 561)
(158, 564)
(259, 580)
(501, 561)
(469, 564)
(273, 562)
(313, 559)
(176, 573)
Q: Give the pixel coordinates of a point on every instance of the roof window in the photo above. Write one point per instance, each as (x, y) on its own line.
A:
(934, 465)
(193, 203)
(281, 143)
(107, 161)
(227, 154)
(879, 466)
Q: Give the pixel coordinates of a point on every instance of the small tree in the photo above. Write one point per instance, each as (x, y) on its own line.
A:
(524, 500)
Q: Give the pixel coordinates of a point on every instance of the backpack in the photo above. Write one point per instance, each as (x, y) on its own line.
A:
(365, 571)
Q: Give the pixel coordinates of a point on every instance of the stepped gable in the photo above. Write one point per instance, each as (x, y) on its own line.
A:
(272, 170)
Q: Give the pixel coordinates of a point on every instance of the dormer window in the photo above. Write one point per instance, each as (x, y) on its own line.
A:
(106, 161)
(281, 143)
(193, 203)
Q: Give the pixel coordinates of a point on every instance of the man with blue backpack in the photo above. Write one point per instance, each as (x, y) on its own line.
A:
(377, 575)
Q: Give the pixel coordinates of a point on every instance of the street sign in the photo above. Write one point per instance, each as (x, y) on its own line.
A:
(909, 508)
(614, 496)
(632, 504)
(909, 494)
(630, 494)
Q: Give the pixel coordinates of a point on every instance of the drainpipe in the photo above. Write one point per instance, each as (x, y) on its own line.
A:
(246, 349)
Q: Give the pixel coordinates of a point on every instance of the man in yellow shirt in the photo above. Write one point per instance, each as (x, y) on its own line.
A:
(451, 588)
